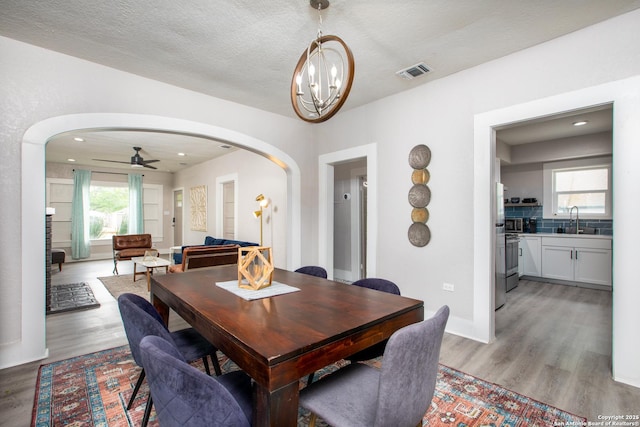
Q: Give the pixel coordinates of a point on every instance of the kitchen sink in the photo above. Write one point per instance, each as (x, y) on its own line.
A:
(583, 230)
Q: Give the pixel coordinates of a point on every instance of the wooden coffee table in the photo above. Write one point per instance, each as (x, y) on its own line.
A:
(150, 263)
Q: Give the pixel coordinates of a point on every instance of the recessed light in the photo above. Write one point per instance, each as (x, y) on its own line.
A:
(580, 123)
(78, 139)
(71, 160)
(181, 154)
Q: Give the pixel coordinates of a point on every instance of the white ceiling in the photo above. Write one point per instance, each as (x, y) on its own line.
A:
(245, 50)
(598, 119)
(118, 146)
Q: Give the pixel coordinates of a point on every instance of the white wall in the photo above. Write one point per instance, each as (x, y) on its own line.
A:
(441, 114)
(597, 144)
(256, 175)
(522, 172)
(523, 181)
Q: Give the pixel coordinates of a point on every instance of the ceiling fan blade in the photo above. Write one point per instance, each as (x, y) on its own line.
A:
(111, 161)
(136, 160)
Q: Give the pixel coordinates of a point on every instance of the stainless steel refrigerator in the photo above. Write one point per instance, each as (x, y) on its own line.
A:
(500, 249)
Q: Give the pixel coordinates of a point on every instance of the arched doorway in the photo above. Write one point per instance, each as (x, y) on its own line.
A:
(33, 345)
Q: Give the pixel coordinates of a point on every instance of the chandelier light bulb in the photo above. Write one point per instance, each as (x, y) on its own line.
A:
(299, 84)
(312, 72)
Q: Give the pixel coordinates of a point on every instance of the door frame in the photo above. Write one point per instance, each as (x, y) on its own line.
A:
(356, 225)
(173, 201)
(326, 164)
(625, 97)
(31, 320)
(220, 181)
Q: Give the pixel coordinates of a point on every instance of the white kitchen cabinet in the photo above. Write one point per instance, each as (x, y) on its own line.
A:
(529, 262)
(558, 262)
(577, 259)
(593, 266)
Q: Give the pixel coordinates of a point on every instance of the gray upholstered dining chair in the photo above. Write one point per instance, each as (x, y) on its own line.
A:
(378, 284)
(377, 349)
(313, 270)
(185, 397)
(397, 394)
(141, 319)
(382, 285)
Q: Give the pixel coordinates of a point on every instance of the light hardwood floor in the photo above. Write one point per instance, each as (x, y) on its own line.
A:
(554, 345)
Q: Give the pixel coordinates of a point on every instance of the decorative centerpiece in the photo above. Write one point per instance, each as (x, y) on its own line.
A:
(255, 267)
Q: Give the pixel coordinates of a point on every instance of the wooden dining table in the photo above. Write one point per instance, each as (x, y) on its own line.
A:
(280, 339)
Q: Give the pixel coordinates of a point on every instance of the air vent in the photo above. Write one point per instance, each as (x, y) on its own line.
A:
(414, 71)
(225, 146)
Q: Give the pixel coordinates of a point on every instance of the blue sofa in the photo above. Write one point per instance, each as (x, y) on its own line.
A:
(212, 241)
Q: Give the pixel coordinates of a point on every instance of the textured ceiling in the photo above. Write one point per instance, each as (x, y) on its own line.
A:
(245, 50)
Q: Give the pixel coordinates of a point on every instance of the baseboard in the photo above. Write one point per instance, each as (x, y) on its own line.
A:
(567, 283)
(342, 275)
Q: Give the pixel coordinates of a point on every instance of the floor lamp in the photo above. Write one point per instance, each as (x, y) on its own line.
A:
(264, 203)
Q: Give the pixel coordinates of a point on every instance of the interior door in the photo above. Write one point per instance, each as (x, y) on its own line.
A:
(228, 210)
(177, 217)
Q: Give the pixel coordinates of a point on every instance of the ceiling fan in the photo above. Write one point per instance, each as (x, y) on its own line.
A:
(136, 160)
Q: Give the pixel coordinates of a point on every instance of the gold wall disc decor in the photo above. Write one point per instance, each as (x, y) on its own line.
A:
(419, 195)
(420, 215)
(420, 176)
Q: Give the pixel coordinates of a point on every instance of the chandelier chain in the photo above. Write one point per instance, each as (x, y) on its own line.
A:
(319, 20)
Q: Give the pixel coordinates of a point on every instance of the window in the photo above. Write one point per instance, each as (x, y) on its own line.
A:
(582, 183)
(109, 210)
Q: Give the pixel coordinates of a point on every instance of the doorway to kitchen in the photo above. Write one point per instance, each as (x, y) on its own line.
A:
(527, 151)
(624, 95)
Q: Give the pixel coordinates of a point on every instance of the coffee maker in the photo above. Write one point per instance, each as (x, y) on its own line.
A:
(530, 225)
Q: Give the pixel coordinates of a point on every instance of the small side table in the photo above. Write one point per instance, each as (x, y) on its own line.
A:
(150, 264)
(57, 257)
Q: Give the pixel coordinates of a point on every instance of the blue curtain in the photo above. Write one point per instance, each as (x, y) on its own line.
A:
(136, 213)
(80, 239)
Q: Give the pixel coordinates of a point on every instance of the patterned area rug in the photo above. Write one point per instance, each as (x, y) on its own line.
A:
(71, 297)
(119, 284)
(93, 390)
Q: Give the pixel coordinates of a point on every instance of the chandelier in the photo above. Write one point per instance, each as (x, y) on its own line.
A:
(323, 76)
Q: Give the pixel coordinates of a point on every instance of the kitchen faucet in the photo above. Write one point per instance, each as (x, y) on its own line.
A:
(577, 218)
